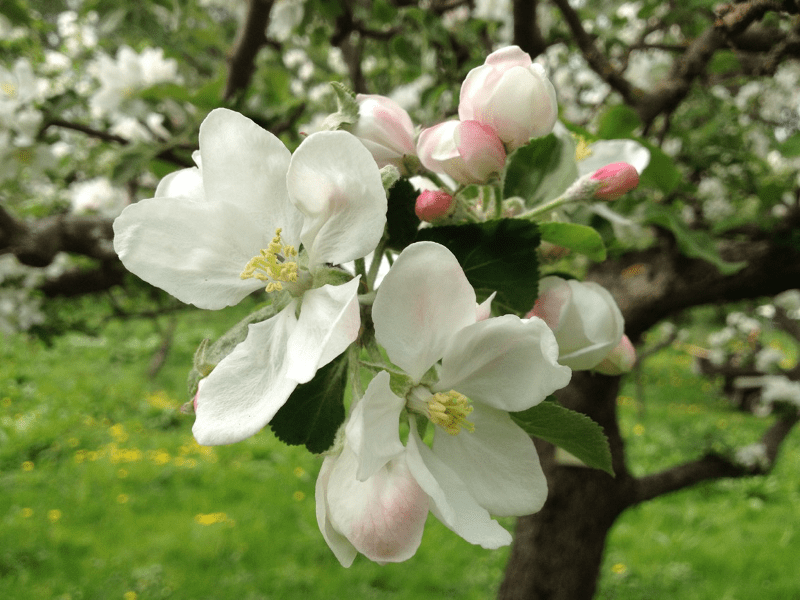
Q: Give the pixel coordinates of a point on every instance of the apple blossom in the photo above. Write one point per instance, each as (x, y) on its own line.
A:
(481, 462)
(510, 94)
(385, 129)
(616, 180)
(432, 205)
(584, 317)
(467, 151)
(217, 232)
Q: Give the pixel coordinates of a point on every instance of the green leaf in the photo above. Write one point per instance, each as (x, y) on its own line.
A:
(541, 170)
(578, 238)
(790, 146)
(618, 122)
(315, 410)
(692, 243)
(17, 13)
(347, 108)
(661, 172)
(574, 432)
(402, 222)
(496, 256)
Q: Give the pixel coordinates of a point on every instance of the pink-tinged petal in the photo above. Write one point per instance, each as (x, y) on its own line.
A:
(422, 302)
(373, 427)
(497, 462)
(193, 249)
(450, 500)
(245, 166)
(247, 388)
(334, 182)
(384, 516)
(552, 301)
(328, 324)
(343, 550)
(620, 360)
(505, 362)
(510, 56)
(484, 310)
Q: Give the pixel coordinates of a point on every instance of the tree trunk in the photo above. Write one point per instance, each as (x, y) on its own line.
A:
(557, 552)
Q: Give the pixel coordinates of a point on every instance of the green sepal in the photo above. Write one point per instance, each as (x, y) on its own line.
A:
(573, 431)
(497, 255)
(346, 108)
(330, 276)
(541, 170)
(208, 355)
(315, 410)
(578, 238)
(389, 176)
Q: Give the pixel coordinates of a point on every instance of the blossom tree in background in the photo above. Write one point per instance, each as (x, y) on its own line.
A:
(548, 181)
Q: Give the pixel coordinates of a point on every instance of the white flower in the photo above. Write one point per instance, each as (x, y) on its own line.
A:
(584, 317)
(467, 151)
(481, 462)
(510, 94)
(215, 233)
(97, 195)
(385, 129)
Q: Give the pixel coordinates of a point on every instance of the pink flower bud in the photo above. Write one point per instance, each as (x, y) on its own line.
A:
(510, 94)
(467, 151)
(620, 360)
(384, 128)
(432, 205)
(617, 179)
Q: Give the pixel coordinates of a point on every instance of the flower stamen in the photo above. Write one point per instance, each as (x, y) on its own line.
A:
(273, 265)
(449, 410)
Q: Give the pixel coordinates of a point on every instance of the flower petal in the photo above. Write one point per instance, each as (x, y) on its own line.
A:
(505, 362)
(193, 249)
(423, 300)
(384, 516)
(328, 324)
(373, 427)
(245, 165)
(450, 499)
(334, 182)
(342, 549)
(497, 462)
(247, 388)
(186, 182)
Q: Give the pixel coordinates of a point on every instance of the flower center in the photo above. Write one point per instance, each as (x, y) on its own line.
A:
(9, 89)
(582, 149)
(448, 410)
(273, 265)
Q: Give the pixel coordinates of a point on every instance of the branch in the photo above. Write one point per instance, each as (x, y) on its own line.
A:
(250, 38)
(527, 34)
(713, 466)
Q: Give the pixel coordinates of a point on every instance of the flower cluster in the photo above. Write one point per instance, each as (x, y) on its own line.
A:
(433, 429)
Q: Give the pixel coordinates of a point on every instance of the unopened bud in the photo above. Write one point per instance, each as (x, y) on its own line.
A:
(616, 180)
(620, 360)
(433, 205)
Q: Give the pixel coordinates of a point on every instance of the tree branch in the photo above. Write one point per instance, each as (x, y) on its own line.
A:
(713, 466)
(527, 34)
(250, 38)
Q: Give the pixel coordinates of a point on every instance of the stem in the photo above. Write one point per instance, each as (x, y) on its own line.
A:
(375, 265)
(361, 269)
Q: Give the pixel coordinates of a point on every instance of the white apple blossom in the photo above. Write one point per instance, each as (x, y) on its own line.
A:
(467, 151)
(385, 129)
(374, 496)
(584, 317)
(97, 196)
(217, 232)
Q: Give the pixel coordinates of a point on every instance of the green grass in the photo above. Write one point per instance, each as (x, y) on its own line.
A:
(106, 496)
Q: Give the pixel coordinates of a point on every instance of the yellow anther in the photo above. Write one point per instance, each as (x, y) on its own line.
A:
(582, 150)
(273, 265)
(9, 89)
(449, 410)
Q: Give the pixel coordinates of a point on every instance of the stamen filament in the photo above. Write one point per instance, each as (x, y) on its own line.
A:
(273, 265)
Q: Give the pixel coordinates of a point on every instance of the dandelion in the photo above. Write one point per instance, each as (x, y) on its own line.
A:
(53, 515)
(122, 499)
(130, 596)
(299, 496)
(299, 471)
(619, 569)
(638, 429)
(27, 466)
(210, 518)
(26, 513)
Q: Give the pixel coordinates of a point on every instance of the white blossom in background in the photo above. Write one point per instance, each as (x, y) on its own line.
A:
(215, 233)
(779, 389)
(19, 310)
(97, 196)
(77, 33)
(768, 358)
(283, 18)
(374, 495)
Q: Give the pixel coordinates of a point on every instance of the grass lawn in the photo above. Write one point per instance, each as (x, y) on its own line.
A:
(105, 495)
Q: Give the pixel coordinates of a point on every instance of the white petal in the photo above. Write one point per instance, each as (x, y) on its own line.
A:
(186, 182)
(450, 499)
(328, 324)
(373, 427)
(193, 249)
(246, 166)
(334, 181)
(384, 516)
(342, 549)
(423, 300)
(497, 462)
(247, 388)
(484, 310)
(505, 362)
(606, 152)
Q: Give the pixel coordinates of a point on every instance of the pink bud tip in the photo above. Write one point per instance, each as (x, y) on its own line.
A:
(617, 179)
(620, 360)
(433, 204)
